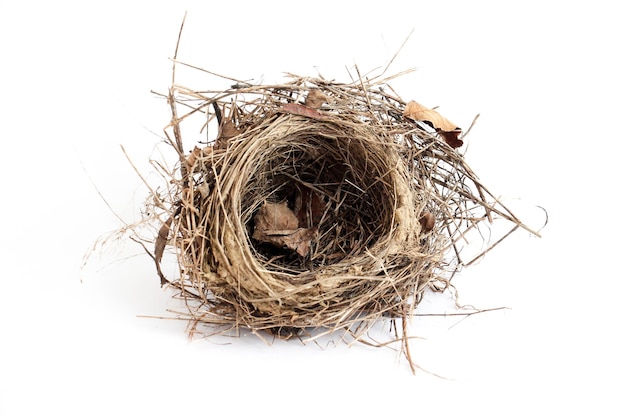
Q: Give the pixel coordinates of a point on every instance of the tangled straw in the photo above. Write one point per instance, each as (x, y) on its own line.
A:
(315, 206)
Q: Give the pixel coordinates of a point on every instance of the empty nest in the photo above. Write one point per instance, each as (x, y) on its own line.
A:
(315, 206)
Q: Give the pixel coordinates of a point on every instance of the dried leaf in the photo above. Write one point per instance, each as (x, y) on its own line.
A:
(300, 240)
(301, 110)
(416, 111)
(196, 154)
(315, 99)
(159, 247)
(448, 130)
(276, 224)
(193, 156)
(427, 221)
(274, 219)
(309, 207)
(452, 138)
(228, 130)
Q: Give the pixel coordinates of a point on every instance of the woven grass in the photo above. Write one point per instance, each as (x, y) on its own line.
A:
(369, 208)
(311, 206)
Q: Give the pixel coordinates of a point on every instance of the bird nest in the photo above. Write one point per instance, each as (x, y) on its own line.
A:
(315, 206)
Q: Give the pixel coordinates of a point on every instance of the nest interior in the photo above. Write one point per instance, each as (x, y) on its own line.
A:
(319, 218)
(317, 205)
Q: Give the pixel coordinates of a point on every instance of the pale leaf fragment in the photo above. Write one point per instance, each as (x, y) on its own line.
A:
(302, 110)
(448, 131)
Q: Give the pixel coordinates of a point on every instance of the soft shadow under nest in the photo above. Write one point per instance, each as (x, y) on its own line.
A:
(318, 206)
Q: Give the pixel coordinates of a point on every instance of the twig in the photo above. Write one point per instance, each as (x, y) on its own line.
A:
(175, 122)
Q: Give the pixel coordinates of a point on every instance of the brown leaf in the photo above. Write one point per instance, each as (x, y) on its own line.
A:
(315, 99)
(452, 138)
(159, 248)
(277, 225)
(309, 207)
(228, 130)
(193, 156)
(427, 221)
(301, 110)
(300, 240)
(416, 111)
(274, 219)
(448, 130)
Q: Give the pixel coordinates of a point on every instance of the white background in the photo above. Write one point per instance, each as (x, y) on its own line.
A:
(548, 81)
